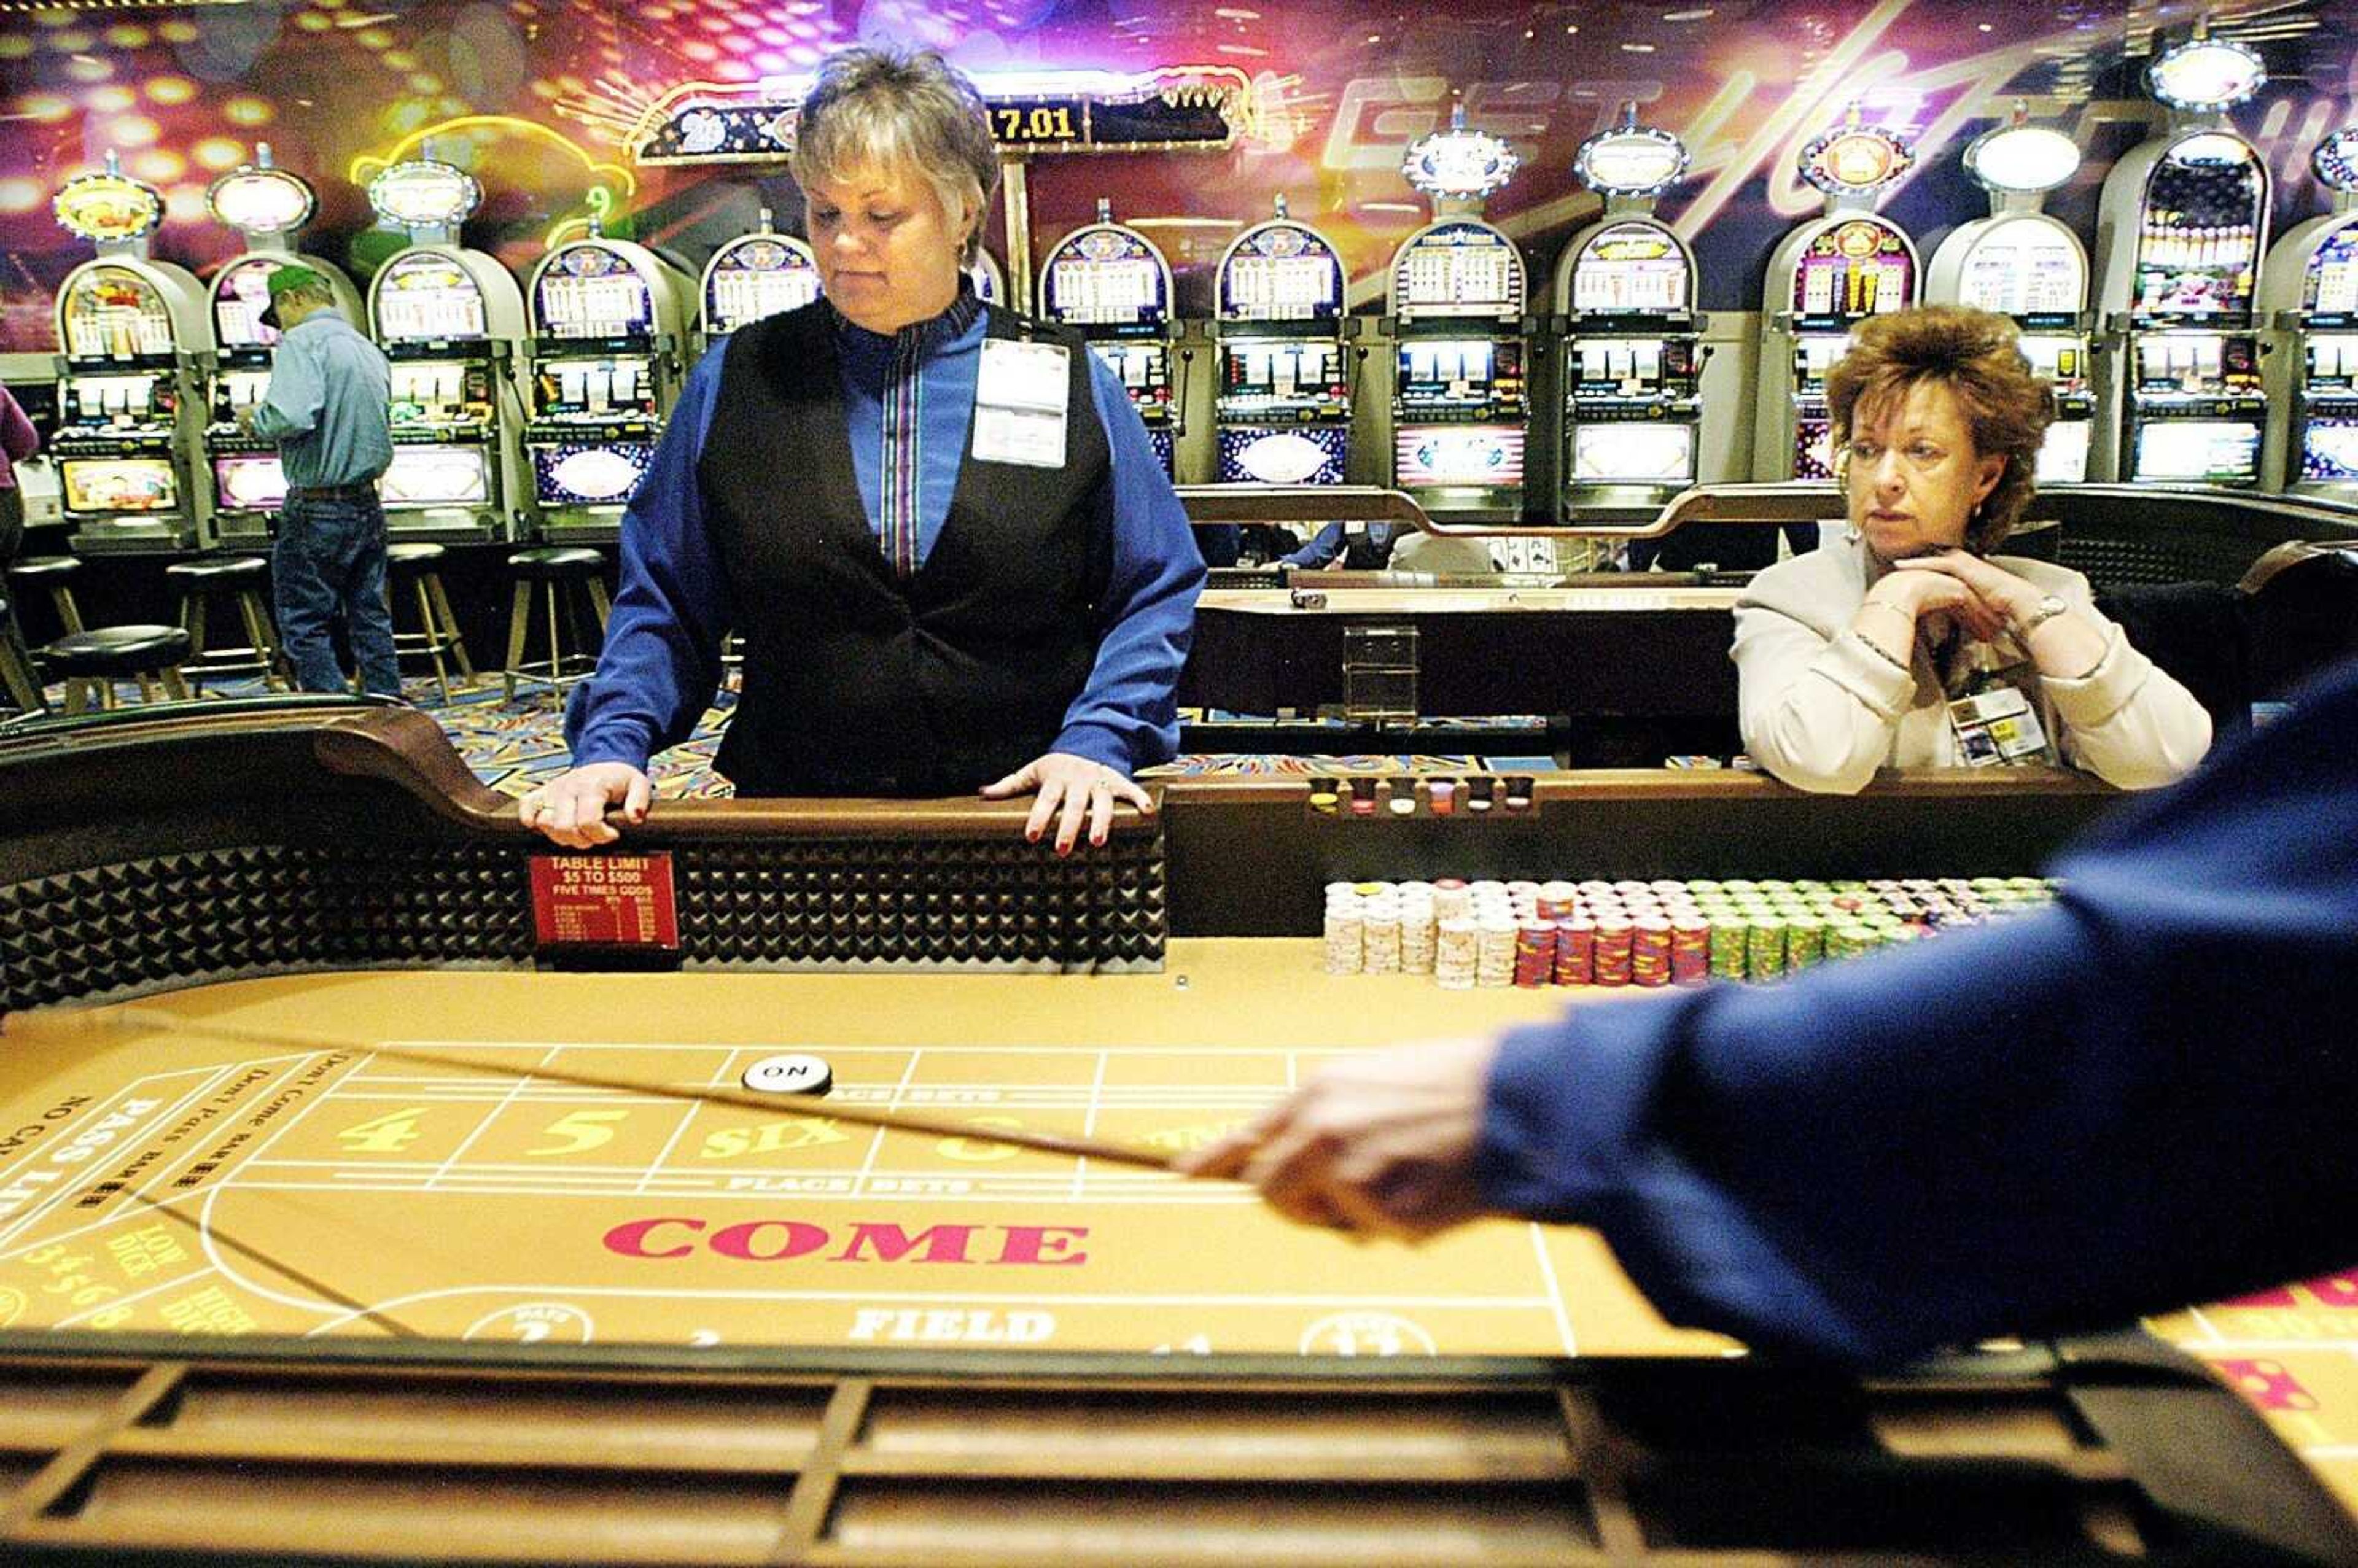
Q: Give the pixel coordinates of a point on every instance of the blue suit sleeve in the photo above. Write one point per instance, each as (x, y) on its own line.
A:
(2137, 1097)
(1127, 716)
(661, 662)
(1322, 550)
(296, 396)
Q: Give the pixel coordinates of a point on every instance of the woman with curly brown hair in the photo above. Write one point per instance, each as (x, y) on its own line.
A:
(1915, 647)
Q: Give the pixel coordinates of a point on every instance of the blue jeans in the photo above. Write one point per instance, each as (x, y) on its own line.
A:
(329, 562)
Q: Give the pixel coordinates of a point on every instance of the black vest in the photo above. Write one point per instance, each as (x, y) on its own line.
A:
(857, 682)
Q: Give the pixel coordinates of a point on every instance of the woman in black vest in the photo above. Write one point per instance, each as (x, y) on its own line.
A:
(940, 526)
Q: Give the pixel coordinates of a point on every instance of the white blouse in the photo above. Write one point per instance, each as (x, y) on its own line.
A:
(1822, 708)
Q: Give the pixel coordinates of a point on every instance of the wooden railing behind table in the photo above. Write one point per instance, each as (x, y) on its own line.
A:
(167, 846)
(1250, 857)
(1638, 662)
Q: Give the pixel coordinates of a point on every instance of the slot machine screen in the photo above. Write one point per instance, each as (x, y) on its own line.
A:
(239, 299)
(600, 475)
(1634, 453)
(759, 277)
(1106, 279)
(115, 313)
(1282, 273)
(1459, 455)
(426, 297)
(2198, 451)
(250, 482)
(1460, 269)
(437, 476)
(2063, 456)
(1631, 267)
(1313, 455)
(2329, 450)
(2332, 287)
(588, 291)
(119, 484)
(2026, 267)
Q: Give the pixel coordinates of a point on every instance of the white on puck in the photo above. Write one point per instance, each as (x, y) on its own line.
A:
(792, 1074)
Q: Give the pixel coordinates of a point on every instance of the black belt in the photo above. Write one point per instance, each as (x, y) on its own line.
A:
(363, 491)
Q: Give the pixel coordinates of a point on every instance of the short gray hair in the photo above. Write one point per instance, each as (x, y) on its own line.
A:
(899, 110)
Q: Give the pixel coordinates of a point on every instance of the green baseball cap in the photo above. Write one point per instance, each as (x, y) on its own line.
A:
(286, 278)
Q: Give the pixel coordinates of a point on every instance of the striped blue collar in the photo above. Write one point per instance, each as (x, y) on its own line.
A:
(924, 337)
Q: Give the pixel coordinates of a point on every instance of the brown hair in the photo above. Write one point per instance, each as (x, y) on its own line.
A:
(1977, 355)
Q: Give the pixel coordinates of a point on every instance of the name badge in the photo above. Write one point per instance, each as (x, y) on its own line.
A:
(1997, 728)
(1020, 401)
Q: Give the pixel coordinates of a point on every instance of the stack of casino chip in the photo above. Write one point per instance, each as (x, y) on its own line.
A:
(1456, 948)
(1535, 954)
(1649, 950)
(1690, 947)
(1644, 933)
(1417, 928)
(1381, 936)
(1494, 960)
(1616, 940)
(1575, 951)
(1346, 932)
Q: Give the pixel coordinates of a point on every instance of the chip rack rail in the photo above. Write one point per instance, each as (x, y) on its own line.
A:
(288, 1453)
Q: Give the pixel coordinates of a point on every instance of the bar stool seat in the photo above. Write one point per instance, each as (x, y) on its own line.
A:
(244, 578)
(91, 662)
(553, 568)
(419, 565)
(54, 575)
(19, 687)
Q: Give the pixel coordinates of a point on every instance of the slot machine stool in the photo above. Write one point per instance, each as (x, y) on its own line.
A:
(90, 663)
(243, 578)
(552, 569)
(419, 565)
(19, 687)
(53, 574)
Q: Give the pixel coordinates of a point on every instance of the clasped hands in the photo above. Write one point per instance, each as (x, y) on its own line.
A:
(1983, 599)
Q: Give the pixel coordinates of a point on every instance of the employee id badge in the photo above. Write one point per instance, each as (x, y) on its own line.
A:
(1999, 728)
(1020, 401)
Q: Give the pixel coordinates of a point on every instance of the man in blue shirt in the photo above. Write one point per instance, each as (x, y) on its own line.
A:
(2139, 1097)
(941, 529)
(327, 408)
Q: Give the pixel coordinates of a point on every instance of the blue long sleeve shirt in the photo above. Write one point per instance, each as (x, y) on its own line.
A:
(2142, 1096)
(661, 662)
(328, 404)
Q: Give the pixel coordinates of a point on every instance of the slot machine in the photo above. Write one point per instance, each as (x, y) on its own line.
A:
(1108, 281)
(1455, 313)
(2019, 261)
(2308, 290)
(605, 319)
(130, 423)
(1632, 338)
(1828, 276)
(1282, 413)
(760, 274)
(268, 206)
(448, 319)
(2182, 224)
